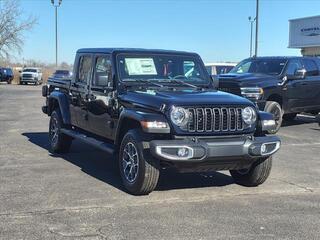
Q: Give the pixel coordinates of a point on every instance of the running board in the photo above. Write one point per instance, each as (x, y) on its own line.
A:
(109, 148)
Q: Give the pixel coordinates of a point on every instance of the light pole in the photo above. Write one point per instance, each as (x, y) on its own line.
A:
(251, 29)
(257, 27)
(56, 4)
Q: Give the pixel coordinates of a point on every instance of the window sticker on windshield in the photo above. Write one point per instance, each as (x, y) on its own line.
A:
(140, 66)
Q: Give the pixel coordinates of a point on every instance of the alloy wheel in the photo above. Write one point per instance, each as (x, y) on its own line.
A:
(130, 162)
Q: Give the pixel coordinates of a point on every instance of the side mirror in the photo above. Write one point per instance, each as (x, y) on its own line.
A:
(299, 74)
(215, 81)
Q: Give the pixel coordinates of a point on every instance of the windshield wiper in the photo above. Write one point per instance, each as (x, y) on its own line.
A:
(183, 83)
(143, 81)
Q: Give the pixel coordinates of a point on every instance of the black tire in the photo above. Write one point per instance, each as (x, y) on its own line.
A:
(255, 175)
(59, 142)
(275, 109)
(145, 177)
(289, 116)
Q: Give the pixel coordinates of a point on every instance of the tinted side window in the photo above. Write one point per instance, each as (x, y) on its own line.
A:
(84, 70)
(311, 67)
(293, 66)
(102, 72)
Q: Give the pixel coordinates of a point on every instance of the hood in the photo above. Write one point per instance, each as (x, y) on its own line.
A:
(154, 99)
(247, 79)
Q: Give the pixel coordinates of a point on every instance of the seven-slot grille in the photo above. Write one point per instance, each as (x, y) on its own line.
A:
(215, 119)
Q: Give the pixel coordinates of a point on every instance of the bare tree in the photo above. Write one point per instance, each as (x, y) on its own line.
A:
(12, 27)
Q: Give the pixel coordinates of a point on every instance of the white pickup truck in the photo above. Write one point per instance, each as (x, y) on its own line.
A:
(31, 75)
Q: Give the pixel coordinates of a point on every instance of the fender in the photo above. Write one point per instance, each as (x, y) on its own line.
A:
(63, 103)
(139, 116)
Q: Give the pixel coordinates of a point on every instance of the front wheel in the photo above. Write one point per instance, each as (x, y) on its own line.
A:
(138, 169)
(59, 142)
(275, 109)
(255, 175)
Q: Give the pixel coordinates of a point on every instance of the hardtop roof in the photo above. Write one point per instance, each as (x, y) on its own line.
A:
(132, 50)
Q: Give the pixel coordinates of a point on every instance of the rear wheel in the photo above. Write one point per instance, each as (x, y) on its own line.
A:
(255, 175)
(138, 169)
(59, 142)
(275, 109)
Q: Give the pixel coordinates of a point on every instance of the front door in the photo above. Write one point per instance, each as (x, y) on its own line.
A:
(295, 91)
(79, 91)
(99, 102)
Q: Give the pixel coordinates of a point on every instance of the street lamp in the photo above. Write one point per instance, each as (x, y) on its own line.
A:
(257, 28)
(251, 29)
(56, 4)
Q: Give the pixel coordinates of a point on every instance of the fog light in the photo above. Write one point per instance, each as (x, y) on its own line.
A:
(173, 152)
(269, 148)
(263, 149)
(183, 152)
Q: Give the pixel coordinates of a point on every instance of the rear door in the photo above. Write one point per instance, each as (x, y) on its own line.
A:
(79, 91)
(312, 84)
(99, 107)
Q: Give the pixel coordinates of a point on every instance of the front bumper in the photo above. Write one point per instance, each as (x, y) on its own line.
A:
(29, 79)
(190, 150)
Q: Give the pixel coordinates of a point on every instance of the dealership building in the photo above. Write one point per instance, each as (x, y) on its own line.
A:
(304, 33)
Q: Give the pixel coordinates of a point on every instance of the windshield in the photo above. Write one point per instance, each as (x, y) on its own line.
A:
(263, 66)
(29, 70)
(162, 68)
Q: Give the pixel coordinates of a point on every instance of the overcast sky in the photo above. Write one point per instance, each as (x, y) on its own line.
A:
(218, 30)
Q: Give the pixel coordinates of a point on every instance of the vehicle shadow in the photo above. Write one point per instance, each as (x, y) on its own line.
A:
(104, 167)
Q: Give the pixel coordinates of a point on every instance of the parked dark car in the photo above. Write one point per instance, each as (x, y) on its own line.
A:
(283, 86)
(155, 109)
(215, 69)
(62, 74)
(6, 75)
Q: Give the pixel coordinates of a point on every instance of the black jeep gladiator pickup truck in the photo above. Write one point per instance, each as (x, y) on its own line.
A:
(283, 86)
(156, 109)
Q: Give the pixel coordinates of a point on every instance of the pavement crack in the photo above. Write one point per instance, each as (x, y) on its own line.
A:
(295, 184)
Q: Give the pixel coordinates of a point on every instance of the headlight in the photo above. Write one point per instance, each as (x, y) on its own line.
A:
(179, 116)
(249, 115)
(252, 92)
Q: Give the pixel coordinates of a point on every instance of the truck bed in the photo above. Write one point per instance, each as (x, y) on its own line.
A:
(59, 82)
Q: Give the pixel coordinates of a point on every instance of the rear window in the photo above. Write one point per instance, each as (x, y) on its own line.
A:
(65, 72)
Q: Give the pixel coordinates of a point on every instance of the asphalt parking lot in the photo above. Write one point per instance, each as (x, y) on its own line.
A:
(79, 195)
